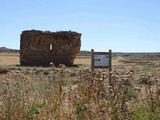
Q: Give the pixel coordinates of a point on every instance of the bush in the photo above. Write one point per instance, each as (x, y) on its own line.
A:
(3, 70)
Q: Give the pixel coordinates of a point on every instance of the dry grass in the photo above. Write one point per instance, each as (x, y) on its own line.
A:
(45, 93)
(13, 59)
(9, 59)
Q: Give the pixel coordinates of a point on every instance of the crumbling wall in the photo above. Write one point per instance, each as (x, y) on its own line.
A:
(42, 48)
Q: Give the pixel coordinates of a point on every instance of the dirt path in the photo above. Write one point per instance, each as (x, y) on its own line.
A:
(116, 61)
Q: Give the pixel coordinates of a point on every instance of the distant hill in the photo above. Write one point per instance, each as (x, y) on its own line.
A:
(88, 53)
(4, 49)
(136, 53)
(84, 53)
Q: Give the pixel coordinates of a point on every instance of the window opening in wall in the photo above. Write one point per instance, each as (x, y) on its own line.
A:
(50, 46)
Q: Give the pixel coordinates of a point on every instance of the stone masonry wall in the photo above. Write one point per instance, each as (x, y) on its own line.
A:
(35, 47)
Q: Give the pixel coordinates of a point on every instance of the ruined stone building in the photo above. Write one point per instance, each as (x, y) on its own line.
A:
(42, 48)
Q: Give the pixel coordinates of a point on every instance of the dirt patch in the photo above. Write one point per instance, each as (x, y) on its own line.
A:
(9, 59)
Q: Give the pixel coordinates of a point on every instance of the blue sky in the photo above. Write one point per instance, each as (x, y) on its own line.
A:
(120, 25)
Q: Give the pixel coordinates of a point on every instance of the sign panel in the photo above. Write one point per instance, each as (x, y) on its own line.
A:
(101, 60)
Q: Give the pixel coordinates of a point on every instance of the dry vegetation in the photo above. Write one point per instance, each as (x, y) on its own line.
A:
(77, 93)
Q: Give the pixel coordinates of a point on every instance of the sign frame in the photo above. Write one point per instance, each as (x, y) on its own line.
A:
(109, 67)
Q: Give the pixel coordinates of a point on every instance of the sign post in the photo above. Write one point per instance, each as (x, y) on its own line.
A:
(102, 60)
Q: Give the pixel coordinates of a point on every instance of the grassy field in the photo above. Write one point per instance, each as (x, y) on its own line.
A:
(77, 93)
(13, 59)
(9, 59)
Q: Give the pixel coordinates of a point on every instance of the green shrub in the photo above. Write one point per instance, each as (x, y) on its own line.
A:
(3, 70)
